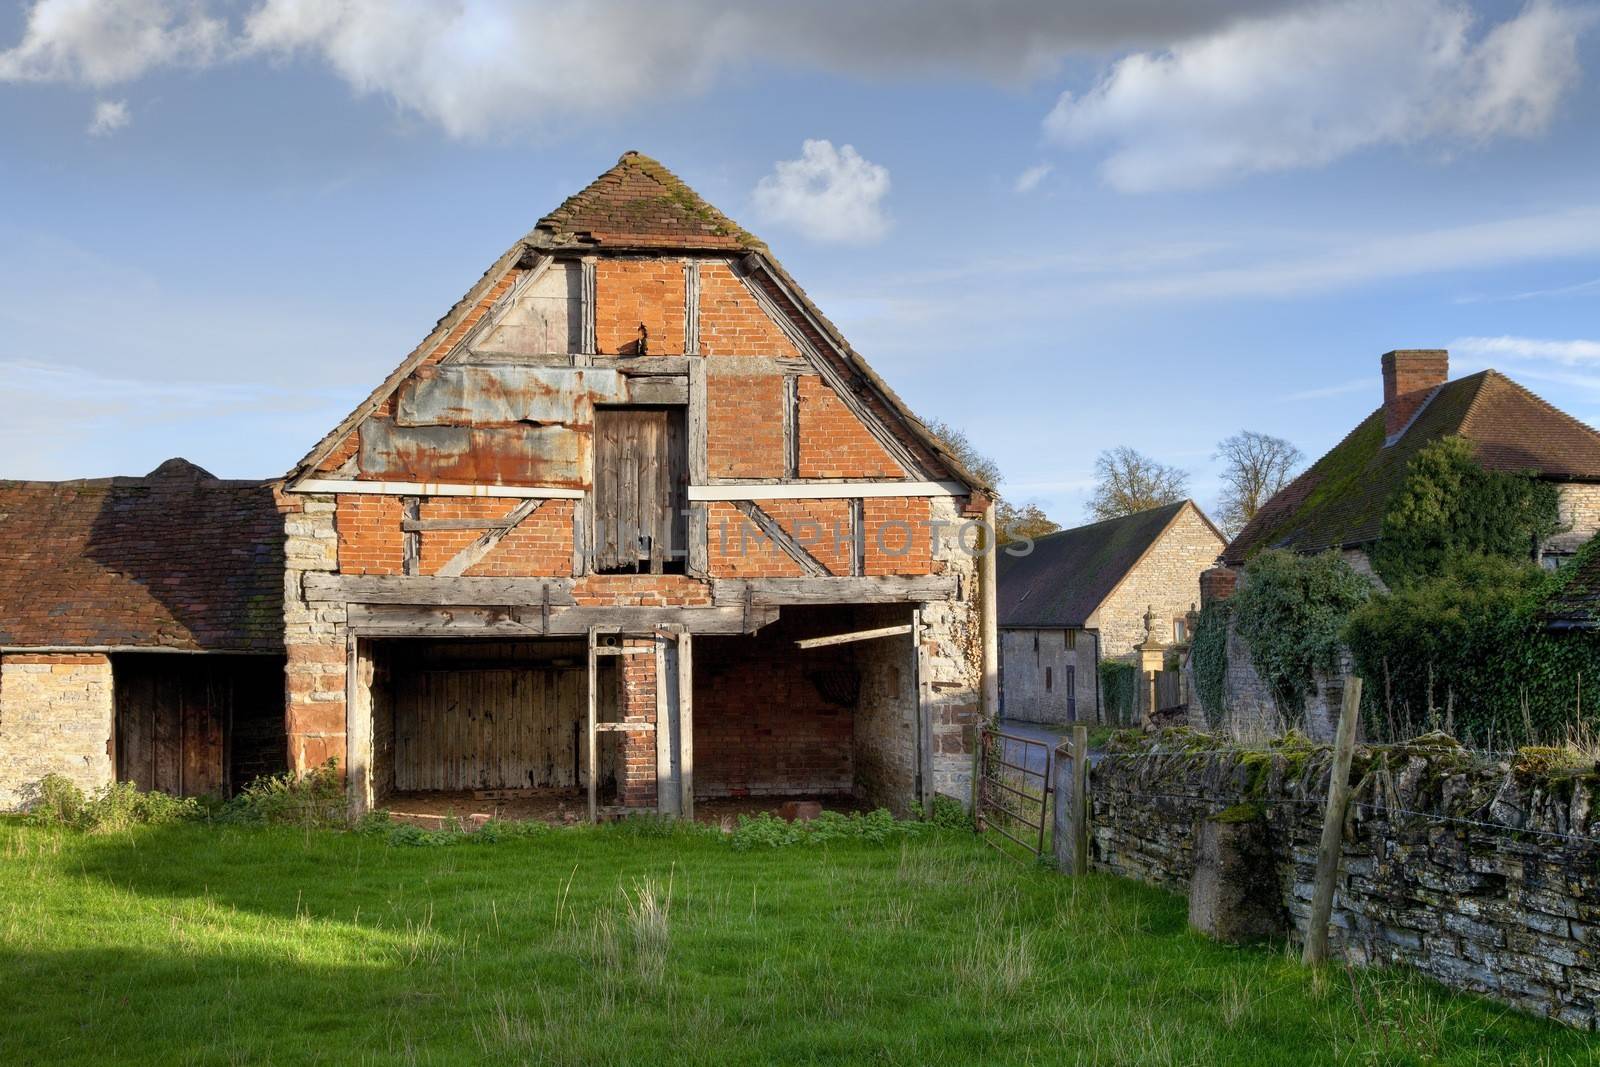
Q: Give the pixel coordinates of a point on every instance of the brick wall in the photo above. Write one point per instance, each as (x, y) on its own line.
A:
(833, 442)
(731, 322)
(636, 765)
(56, 717)
(761, 726)
(1168, 577)
(629, 292)
(899, 535)
(744, 425)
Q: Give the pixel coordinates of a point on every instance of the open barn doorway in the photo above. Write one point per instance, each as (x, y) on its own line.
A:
(810, 710)
(463, 727)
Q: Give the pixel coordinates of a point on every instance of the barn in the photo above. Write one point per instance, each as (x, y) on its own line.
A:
(634, 528)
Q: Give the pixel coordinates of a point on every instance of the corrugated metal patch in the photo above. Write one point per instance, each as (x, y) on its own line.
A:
(514, 454)
(457, 395)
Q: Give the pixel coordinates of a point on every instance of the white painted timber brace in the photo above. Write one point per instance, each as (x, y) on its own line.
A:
(822, 490)
(521, 492)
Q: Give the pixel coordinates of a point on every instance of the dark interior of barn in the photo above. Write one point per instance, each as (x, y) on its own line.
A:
(198, 725)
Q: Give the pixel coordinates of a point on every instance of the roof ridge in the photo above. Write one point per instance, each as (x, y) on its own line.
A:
(608, 212)
(1490, 374)
(1114, 518)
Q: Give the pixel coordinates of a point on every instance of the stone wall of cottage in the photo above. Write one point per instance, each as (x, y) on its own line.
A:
(313, 637)
(1484, 876)
(1168, 578)
(1035, 666)
(1580, 515)
(56, 717)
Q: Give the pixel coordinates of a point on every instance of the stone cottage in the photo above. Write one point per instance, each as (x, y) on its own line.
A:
(633, 527)
(1082, 595)
(1339, 502)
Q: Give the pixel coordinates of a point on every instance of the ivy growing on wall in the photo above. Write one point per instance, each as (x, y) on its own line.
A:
(1448, 506)
(1469, 651)
(1208, 656)
(1119, 684)
(1292, 613)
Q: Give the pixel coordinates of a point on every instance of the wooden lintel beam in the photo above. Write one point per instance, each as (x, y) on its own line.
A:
(857, 635)
(417, 620)
(431, 590)
(888, 589)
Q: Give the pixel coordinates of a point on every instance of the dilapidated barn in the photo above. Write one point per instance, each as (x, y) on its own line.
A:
(633, 527)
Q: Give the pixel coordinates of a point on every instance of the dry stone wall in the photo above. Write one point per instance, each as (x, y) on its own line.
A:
(1485, 877)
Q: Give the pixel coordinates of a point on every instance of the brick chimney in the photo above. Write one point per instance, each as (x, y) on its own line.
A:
(1409, 376)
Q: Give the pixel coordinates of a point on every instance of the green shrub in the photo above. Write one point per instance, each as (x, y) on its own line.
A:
(1208, 654)
(766, 830)
(1449, 506)
(314, 800)
(119, 806)
(948, 813)
(1468, 652)
(1119, 686)
(1292, 613)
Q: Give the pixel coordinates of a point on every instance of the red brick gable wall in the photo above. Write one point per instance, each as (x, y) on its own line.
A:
(833, 442)
(732, 323)
(631, 292)
(744, 425)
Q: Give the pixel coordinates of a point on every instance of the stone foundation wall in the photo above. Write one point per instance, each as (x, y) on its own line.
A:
(1514, 914)
(56, 717)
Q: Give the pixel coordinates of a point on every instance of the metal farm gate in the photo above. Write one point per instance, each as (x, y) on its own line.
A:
(1013, 793)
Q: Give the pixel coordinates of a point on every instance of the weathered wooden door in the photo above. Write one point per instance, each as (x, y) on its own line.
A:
(487, 728)
(173, 720)
(640, 473)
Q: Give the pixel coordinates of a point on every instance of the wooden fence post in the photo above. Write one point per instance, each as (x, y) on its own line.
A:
(1078, 812)
(1332, 844)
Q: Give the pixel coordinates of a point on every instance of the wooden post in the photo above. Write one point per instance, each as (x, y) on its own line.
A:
(1078, 822)
(1332, 845)
(594, 736)
(686, 725)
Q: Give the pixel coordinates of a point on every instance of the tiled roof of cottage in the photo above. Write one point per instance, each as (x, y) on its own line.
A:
(1341, 499)
(176, 559)
(640, 204)
(1070, 573)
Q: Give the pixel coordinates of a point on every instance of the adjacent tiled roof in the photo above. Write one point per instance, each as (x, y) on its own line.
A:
(1341, 499)
(640, 204)
(1070, 573)
(176, 559)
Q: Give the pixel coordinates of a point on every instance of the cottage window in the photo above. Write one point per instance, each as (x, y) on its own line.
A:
(1069, 639)
(1047, 680)
(1072, 694)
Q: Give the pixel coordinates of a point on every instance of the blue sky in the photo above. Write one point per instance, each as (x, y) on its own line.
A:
(1060, 227)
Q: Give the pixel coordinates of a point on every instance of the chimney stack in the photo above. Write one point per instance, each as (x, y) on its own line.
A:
(1410, 375)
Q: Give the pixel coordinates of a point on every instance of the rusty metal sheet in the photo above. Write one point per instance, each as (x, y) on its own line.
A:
(499, 395)
(516, 454)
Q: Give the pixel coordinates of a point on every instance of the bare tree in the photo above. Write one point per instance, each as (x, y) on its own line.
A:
(1012, 523)
(1255, 467)
(1128, 481)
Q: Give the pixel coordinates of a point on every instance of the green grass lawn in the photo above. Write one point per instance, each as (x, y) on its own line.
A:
(191, 944)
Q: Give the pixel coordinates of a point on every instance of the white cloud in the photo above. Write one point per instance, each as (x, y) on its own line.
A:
(1361, 260)
(103, 42)
(1574, 353)
(827, 194)
(1029, 179)
(481, 68)
(109, 117)
(1306, 87)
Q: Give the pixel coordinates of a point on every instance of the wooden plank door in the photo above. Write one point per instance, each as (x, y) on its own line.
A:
(641, 469)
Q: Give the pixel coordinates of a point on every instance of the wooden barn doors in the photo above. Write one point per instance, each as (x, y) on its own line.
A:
(640, 472)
